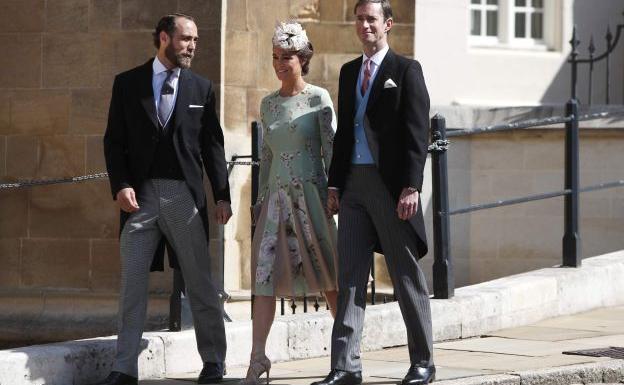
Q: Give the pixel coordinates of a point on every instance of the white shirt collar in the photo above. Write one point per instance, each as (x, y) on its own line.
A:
(378, 57)
(159, 67)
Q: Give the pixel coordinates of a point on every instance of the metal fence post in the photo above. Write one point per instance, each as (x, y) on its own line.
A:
(571, 237)
(373, 285)
(175, 302)
(574, 42)
(443, 279)
(256, 142)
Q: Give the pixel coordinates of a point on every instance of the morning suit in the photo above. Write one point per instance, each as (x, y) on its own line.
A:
(380, 148)
(163, 160)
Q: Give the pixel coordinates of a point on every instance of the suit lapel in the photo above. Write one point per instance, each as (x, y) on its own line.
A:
(182, 100)
(147, 92)
(383, 73)
(349, 89)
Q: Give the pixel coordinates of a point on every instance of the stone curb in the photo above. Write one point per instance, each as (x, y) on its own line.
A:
(475, 310)
(594, 373)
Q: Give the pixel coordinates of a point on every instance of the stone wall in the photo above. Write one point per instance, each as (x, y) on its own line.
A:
(249, 76)
(55, 85)
(485, 168)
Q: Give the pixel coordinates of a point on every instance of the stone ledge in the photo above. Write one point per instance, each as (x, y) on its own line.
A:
(595, 373)
(468, 117)
(475, 310)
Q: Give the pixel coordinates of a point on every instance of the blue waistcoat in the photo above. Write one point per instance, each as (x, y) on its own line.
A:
(361, 151)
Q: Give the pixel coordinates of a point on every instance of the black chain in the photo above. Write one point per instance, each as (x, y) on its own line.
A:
(83, 178)
(439, 145)
(44, 182)
(244, 163)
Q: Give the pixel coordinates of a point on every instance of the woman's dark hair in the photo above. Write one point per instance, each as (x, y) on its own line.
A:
(167, 23)
(305, 56)
(385, 6)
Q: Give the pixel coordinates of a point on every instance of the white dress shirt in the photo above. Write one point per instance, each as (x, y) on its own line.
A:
(158, 79)
(376, 60)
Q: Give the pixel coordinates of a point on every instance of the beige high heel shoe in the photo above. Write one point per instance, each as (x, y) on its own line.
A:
(258, 365)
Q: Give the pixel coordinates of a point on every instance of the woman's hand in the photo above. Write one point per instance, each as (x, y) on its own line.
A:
(333, 202)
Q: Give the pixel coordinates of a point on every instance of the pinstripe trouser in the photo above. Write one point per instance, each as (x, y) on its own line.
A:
(367, 211)
(166, 208)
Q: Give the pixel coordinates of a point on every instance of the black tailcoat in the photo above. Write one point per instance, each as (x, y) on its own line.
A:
(397, 133)
(132, 135)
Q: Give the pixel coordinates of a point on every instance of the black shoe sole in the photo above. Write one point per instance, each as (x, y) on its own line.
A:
(430, 381)
(215, 380)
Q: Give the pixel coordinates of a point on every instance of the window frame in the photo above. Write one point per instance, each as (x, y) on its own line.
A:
(528, 10)
(483, 7)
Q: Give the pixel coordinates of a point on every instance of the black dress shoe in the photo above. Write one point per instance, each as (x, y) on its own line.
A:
(117, 378)
(419, 375)
(341, 377)
(211, 373)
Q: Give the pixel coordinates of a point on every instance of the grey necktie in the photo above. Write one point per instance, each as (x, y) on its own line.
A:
(165, 105)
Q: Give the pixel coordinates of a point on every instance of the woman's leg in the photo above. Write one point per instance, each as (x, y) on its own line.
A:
(263, 315)
(332, 299)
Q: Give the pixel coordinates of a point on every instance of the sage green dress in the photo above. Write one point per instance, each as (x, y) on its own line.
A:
(294, 244)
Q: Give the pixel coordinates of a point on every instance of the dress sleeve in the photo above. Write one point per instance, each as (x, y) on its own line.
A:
(266, 158)
(327, 125)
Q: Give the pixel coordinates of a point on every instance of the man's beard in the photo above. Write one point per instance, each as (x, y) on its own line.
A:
(182, 60)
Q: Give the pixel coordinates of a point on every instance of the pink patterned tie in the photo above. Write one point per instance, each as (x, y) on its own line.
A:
(367, 76)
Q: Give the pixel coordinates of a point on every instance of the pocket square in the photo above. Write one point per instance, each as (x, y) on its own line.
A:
(390, 84)
(195, 106)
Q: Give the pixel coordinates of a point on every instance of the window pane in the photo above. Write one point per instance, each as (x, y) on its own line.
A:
(537, 26)
(520, 25)
(476, 1)
(538, 3)
(492, 2)
(492, 23)
(475, 29)
(520, 3)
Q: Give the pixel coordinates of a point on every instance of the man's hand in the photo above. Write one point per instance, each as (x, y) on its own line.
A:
(333, 203)
(223, 212)
(408, 203)
(127, 200)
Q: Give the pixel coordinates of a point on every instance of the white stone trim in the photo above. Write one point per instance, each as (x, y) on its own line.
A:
(475, 310)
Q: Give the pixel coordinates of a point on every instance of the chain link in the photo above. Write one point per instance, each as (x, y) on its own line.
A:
(83, 178)
(440, 145)
(244, 163)
(44, 182)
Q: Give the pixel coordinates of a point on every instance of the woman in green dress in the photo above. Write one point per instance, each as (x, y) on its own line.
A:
(294, 244)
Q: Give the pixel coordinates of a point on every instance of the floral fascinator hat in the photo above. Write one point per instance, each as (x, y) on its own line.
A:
(290, 36)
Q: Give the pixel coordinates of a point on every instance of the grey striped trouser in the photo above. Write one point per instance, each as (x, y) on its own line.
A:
(367, 211)
(166, 209)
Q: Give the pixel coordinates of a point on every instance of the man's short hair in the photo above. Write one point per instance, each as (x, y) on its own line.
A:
(167, 23)
(385, 6)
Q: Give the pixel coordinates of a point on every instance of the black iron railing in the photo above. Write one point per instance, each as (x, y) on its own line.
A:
(571, 244)
(575, 61)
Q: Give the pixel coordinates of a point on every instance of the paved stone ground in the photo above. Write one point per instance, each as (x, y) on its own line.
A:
(525, 349)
